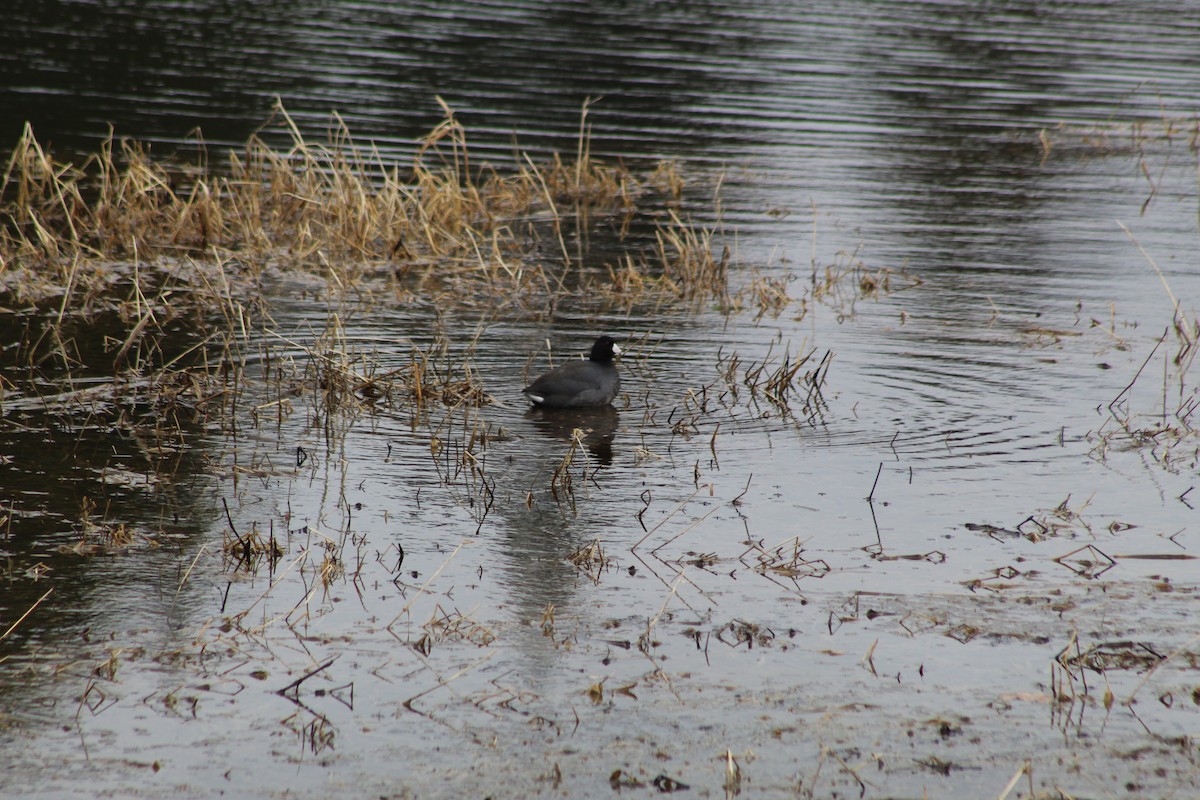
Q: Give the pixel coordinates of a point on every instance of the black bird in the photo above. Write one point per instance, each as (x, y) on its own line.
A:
(580, 384)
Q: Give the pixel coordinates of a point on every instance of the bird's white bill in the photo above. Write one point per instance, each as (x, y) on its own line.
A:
(616, 350)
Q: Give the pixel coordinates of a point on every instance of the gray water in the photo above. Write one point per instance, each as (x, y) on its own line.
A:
(988, 155)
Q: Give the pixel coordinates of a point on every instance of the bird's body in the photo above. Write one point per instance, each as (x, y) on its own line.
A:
(580, 384)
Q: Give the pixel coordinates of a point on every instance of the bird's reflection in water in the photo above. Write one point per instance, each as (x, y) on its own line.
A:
(598, 424)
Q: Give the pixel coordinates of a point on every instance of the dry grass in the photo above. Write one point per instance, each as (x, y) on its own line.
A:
(151, 241)
(562, 483)
(100, 536)
(452, 626)
(848, 279)
(336, 207)
(199, 238)
(683, 265)
(793, 385)
(591, 560)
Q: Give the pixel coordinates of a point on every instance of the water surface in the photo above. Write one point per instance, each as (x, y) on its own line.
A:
(983, 155)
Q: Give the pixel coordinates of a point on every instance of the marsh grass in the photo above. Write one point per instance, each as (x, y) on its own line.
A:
(562, 483)
(337, 208)
(442, 228)
(685, 264)
(251, 549)
(792, 385)
(101, 536)
(591, 560)
(447, 626)
(848, 279)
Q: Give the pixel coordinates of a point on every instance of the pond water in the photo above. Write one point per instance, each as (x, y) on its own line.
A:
(970, 553)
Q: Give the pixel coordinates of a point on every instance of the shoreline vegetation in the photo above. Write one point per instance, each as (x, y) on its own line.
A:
(336, 209)
(444, 226)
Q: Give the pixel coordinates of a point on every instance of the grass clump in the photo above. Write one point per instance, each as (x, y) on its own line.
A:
(310, 205)
(158, 239)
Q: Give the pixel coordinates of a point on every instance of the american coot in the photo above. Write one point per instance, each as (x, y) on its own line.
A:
(580, 384)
